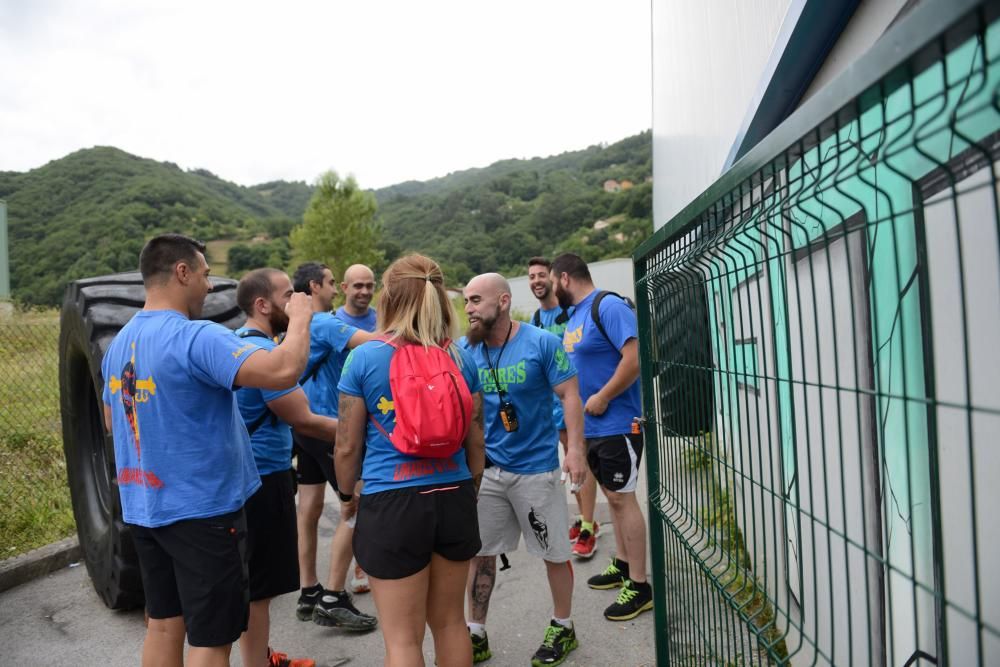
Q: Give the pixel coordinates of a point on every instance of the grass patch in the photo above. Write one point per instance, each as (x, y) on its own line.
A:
(35, 507)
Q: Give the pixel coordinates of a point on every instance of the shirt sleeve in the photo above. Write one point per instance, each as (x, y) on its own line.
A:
(216, 354)
(353, 373)
(557, 364)
(619, 321)
(470, 371)
(340, 334)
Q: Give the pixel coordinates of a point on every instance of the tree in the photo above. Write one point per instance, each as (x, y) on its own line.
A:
(339, 226)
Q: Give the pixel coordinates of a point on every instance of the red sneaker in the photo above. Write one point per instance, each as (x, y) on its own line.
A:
(574, 530)
(276, 659)
(586, 544)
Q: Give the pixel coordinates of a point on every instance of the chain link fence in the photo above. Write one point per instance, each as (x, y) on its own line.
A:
(821, 373)
(35, 507)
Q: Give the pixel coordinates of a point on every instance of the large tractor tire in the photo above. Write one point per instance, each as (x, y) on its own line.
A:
(94, 310)
(684, 351)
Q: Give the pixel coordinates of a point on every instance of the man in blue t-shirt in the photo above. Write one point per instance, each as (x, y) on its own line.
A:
(604, 345)
(331, 340)
(553, 318)
(358, 288)
(519, 368)
(183, 458)
(269, 417)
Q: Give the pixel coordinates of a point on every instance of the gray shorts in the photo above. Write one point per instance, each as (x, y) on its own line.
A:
(511, 505)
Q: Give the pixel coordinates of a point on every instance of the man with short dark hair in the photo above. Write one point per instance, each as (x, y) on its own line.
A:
(269, 417)
(519, 368)
(553, 318)
(604, 345)
(331, 341)
(183, 458)
(358, 288)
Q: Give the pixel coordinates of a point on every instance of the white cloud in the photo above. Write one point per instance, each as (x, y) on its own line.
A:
(387, 90)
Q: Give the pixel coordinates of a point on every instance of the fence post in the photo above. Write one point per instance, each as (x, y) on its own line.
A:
(657, 537)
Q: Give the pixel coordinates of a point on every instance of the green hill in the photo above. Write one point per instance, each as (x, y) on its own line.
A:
(497, 217)
(90, 213)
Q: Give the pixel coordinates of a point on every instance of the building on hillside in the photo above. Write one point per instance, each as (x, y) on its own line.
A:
(611, 185)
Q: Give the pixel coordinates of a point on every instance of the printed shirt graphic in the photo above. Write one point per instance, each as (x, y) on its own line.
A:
(366, 322)
(180, 446)
(366, 375)
(328, 336)
(272, 441)
(532, 364)
(547, 318)
(597, 361)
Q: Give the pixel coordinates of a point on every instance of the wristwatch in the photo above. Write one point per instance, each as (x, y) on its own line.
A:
(345, 497)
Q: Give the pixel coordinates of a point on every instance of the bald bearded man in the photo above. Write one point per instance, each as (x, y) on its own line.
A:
(519, 368)
(358, 288)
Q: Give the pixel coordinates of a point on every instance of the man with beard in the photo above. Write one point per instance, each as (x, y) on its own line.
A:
(602, 340)
(358, 288)
(269, 417)
(519, 368)
(553, 318)
(183, 460)
(331, 340)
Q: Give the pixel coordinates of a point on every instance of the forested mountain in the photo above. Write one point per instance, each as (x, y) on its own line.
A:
(497, 217)
(90, 213)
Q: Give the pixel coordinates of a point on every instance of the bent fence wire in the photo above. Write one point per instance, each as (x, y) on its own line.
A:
(35, 507)
(820, 337)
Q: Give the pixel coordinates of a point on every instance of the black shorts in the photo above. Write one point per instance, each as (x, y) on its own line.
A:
(314, 460)
(614, 460)
(197, 568)
(272, 537)
(398, 530)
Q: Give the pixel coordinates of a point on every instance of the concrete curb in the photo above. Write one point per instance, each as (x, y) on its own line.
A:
(38, 563)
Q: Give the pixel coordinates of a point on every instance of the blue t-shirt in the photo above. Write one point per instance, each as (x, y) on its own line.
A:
(181, 450)
(328, 339)
(366, 322)
(366, 375)
(547, 319)
(532, 363)
(272, 440)
(597, 360)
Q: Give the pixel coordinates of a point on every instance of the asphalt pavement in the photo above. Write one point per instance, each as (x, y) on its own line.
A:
(58, 620)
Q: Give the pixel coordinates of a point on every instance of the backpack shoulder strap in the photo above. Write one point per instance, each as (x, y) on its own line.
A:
(595, 314)
(252, 333)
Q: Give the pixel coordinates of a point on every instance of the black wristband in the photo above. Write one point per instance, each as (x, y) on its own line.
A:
(345, 497)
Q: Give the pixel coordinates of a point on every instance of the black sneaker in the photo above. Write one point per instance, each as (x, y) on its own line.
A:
(632, 600)
(480, 647)
(614, 575)
(335, 609)
(307, 601)
(558, 642)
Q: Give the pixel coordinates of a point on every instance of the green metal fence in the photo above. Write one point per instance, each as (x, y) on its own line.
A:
(820, 344)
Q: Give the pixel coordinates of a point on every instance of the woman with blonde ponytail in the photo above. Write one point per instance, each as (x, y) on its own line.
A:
(416, 527)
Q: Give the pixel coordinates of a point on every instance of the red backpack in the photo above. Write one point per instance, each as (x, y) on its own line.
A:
(432, 402)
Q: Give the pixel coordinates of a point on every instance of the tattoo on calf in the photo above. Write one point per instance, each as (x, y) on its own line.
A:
(482, 586)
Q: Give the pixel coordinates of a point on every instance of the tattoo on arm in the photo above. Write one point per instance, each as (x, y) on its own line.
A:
(477, 413)
(482, 586)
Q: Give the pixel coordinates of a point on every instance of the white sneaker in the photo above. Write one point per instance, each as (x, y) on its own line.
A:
(359, 582)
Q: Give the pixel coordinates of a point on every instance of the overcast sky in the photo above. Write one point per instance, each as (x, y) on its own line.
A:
(257, 91)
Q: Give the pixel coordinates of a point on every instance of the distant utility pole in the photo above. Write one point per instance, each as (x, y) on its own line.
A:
(4, 254)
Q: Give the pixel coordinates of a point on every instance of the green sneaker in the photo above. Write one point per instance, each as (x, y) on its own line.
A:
(480, 647)
(632, 600)
(614, 575)
(558, 642)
